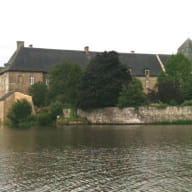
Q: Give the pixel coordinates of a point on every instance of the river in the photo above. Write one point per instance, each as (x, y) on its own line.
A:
(135, 158)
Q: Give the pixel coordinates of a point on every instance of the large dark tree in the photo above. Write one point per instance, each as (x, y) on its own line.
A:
(102, 81)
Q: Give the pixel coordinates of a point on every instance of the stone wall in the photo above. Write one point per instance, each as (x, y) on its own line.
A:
(148, 83)
(114, 115)
(5, 104)
(18, 81)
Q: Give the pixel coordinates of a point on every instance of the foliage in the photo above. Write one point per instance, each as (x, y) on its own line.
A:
(47, 116)
(187, 103)
(174, 84)
(132, 95)
(159, 105)
(64, 79)
(55, 109)
(169, 92)
(102, 81)
(19, 112)
(152, 96)
(44, 119)
(39, 91)
(178, 68)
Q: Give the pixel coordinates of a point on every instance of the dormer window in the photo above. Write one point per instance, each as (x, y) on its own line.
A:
(147, 72)
(130, 71)
(147, 84)
(31, 80)
(46, 81)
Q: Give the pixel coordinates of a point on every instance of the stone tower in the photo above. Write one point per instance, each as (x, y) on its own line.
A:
(186, 48)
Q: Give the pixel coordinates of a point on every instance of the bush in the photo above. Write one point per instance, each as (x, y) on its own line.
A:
(39, 92)
(132, 95)
(44, 119)
(152, 96)
(55, 109)
(19, 112)
(187, 103)
(159, 105)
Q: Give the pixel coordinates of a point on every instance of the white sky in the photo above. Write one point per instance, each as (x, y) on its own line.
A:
(145, 26)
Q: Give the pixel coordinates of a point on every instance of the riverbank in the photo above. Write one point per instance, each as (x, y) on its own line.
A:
(140, 115)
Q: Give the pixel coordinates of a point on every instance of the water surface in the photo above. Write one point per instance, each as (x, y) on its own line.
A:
(96, 158)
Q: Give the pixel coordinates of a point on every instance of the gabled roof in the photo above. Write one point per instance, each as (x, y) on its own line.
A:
(187, 44)
(41, 60)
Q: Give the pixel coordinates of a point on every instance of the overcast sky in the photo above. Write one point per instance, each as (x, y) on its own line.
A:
(145, 26)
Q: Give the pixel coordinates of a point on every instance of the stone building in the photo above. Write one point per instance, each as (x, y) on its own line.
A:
(186, 48)
(29, 65)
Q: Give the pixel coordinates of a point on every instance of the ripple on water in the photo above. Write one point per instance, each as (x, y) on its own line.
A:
(97, 169)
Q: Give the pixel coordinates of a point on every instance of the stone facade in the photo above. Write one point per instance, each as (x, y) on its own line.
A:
(148, 82)
(6, 103)
(114, 115)
(19, 81)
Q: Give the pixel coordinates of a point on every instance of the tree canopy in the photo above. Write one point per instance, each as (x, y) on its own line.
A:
(39, 91)
(132, 95)
(102, 81)
(64, 79)
(174, 84)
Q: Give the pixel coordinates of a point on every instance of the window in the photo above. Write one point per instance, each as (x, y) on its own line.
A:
(147, 84)
(20, 79)
(46, 81)
(147, 72)
(31, 80)
(130, 71)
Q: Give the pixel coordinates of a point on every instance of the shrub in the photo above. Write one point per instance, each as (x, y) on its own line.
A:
(19, 112)
(159, 105)
(44, 119)
(187, 103)
(132, 95)
(39, 92)
(55, 109)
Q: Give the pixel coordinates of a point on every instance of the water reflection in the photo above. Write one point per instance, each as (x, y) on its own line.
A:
(96, 158)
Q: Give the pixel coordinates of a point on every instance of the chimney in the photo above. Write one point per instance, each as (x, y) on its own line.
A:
(86, 49)
(31, 46)
(20, 44)
(132, 51)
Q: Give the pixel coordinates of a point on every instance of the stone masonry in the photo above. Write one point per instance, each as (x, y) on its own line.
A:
(114, 115)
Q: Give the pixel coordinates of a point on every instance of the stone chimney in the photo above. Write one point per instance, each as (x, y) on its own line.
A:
(20, 44)
(86, 49)
(31, 46)
(132, 51)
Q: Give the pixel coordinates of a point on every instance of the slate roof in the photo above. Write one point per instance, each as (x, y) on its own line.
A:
(41, 60)
(187, 44)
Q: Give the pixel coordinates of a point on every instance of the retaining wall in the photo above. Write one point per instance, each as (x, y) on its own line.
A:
(114, 115)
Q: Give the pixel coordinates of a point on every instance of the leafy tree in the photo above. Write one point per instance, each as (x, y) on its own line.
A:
(102, 81)
(178, 68)
(174, 84)
(170, 92)
(19, 112)
(152, 96)
(132, 95)
(64, 79)
(39, 92)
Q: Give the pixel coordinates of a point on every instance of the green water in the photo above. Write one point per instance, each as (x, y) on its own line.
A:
(96, 158)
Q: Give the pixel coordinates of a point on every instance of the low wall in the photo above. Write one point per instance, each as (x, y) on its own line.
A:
(114, 115)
